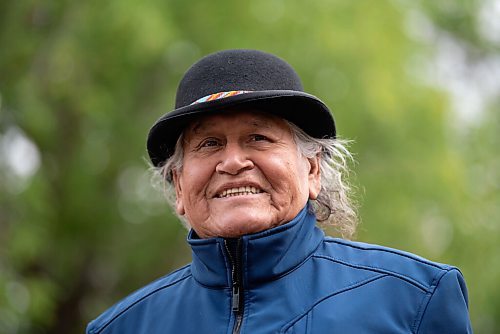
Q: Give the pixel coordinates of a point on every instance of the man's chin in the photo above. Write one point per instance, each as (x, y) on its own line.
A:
(237, 224)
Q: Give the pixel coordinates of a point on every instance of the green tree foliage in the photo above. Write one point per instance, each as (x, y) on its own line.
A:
(81, 82)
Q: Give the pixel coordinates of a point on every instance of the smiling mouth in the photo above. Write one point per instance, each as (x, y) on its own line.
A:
(240, 191)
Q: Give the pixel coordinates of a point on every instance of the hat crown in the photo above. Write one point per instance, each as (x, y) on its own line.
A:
(236, 70)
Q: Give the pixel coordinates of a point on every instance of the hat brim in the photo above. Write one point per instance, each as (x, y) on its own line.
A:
(304, 110)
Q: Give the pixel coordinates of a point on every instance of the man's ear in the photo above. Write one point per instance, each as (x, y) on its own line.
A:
(314, 177)
(179, 201)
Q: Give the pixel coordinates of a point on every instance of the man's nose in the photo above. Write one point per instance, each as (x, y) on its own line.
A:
(234, 160)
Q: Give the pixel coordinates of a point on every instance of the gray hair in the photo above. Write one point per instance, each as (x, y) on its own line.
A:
(334, 207)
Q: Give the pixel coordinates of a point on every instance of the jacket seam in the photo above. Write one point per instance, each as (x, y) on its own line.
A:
(424, 304)
(406, 278)
(428, 263)
(350, 287)
(211, 287)
(289, 271)
(105, 325)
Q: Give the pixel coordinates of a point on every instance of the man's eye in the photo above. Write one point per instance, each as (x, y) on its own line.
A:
(259, 138)
(209, 143)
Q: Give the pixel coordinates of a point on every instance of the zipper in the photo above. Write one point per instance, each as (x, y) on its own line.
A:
(233, 249)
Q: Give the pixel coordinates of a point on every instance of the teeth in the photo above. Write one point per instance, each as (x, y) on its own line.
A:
(239, 191)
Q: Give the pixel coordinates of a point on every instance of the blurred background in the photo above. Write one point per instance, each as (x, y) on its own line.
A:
(415, 84)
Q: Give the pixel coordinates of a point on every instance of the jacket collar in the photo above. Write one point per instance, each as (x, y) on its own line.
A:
(264, 256)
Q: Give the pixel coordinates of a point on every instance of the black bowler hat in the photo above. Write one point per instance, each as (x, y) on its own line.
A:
(226, 80)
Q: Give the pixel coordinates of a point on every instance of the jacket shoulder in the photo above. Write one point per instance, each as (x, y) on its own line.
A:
(153, 288)
(416, 270)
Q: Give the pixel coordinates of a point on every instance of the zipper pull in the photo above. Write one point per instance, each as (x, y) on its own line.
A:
(236, 299)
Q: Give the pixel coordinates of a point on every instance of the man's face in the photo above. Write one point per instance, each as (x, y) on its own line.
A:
(241, 174)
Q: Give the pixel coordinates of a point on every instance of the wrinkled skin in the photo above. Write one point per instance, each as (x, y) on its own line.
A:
(242, 149)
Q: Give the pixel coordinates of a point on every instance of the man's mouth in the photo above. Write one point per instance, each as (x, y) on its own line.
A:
(239, 192)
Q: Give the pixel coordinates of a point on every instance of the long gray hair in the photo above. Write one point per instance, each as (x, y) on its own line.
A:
(334, 207)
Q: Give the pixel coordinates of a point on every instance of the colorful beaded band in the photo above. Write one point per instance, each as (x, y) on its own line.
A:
(220, 95)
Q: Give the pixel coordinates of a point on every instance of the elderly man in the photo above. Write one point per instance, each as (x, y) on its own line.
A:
(252, 163)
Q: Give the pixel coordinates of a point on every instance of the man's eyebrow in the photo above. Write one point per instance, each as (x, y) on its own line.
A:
(260, 123)
(198, 126)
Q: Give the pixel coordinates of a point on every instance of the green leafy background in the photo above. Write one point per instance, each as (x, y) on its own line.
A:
(415, 84)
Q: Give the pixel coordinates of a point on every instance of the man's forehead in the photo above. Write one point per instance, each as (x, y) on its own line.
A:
(251, 119)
